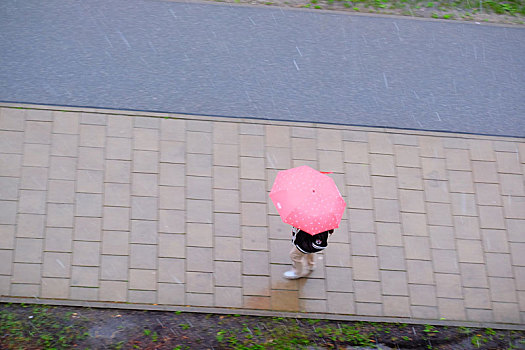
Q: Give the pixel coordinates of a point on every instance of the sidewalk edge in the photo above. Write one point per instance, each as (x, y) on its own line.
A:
(247, 120)
(254, 312)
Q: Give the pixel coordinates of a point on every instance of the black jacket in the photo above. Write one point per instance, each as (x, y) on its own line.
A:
(307, 243)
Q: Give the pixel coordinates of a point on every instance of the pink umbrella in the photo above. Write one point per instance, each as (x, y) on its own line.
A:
(307, 199)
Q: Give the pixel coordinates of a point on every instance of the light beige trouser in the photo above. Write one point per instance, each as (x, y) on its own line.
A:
(298, 260)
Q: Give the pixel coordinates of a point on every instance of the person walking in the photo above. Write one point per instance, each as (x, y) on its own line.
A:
(303, 252)
(311, 203)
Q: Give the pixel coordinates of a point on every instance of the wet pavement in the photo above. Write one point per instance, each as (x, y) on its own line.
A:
(171, 212)
(265, 63)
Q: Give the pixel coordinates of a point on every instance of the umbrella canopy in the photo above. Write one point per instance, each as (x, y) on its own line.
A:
(307, 199)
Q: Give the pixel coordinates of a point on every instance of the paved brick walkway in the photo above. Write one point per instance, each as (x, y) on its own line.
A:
(158, 211)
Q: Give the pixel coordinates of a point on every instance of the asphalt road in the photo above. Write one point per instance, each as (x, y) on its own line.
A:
(264, 62)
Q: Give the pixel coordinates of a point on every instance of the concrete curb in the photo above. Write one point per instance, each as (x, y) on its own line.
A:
(262, 313)
(240, 120)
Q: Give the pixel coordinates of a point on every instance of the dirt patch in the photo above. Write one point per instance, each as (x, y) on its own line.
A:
(45, 327)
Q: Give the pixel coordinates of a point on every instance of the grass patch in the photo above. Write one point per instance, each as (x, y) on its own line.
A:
(503, 11)
(38, 326)
(49, 327)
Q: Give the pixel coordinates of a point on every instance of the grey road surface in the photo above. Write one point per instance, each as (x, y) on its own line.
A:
(264, 62)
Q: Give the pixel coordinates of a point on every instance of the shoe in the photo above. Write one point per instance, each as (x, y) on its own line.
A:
(291, 275)
(307, 272)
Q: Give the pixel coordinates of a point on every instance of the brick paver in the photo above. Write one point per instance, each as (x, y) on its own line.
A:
(174, 211)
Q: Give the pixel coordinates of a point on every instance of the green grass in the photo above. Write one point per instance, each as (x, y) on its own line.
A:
(430, 329)
(282, 333)
(442, 8)
(350, 335)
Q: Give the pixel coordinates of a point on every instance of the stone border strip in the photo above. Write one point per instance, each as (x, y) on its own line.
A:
(255, 312)
(241, 120)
